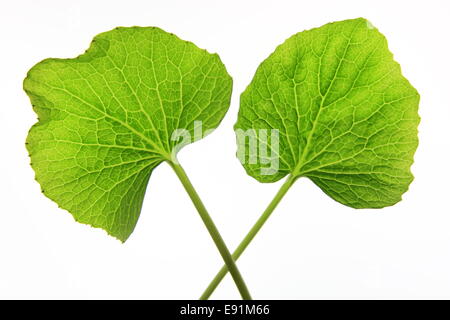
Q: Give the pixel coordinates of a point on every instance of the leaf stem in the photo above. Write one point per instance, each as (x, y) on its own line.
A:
(250, 235)
(213, 231)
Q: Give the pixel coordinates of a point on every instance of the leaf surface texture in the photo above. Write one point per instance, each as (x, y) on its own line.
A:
(347, 117)
(106, 119)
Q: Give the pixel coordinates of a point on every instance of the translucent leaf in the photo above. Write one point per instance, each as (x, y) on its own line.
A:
(345, 116)
(107, 118)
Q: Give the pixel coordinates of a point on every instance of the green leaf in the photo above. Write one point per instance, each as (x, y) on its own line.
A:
(346, 116)
(106, 119)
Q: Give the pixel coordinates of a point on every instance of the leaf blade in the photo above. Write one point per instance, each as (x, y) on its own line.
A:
(106, 119)
(346, 115)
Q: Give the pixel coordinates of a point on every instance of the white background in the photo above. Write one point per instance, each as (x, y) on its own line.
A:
(312, 247)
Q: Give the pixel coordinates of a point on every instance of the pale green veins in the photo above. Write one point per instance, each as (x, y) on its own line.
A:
(347, 118)
(106, 119)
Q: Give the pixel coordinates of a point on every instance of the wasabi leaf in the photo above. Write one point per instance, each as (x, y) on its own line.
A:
(347, 118)
(106, 119)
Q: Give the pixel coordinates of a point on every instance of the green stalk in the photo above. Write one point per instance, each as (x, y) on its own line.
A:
(213, 231)
(250, 235)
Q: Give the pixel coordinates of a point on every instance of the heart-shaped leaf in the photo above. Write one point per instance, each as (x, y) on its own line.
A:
(343, 114)
(106, 119)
